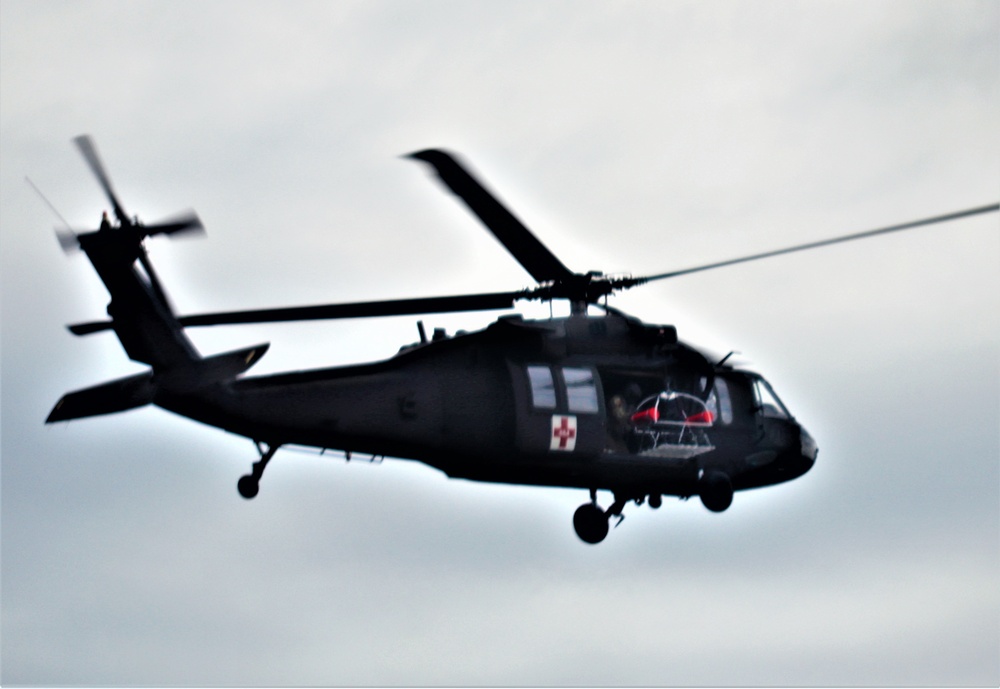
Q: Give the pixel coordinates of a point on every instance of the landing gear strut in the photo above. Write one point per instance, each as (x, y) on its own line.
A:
(591, 521)
(249, 485)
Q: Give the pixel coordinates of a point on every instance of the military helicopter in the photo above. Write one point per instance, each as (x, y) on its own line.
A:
(596, 402)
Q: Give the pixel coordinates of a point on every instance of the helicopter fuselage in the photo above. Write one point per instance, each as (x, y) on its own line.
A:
(530, 402)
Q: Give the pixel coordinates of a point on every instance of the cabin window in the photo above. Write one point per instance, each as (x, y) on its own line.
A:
(581, 390)
(543, 389)
(725, 402)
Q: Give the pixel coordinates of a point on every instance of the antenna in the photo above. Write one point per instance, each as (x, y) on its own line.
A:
(726, 358)
(47, 202)
(67, 238)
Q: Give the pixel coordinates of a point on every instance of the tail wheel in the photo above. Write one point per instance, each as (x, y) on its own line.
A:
(591, 523)
(249, 485)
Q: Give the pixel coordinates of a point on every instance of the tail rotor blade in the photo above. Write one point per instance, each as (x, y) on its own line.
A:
(67, 240)
(89, 151)
(184, 223)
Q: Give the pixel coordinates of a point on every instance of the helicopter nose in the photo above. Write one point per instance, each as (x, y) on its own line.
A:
(809, 448)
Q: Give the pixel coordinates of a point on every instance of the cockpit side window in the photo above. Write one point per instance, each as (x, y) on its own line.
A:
(543, 389)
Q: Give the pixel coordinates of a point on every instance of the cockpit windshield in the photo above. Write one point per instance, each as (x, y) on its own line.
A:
(768, 402)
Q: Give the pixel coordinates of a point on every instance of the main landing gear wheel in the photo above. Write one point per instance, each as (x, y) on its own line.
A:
(590, 522)
(716, 491)
(249, 485)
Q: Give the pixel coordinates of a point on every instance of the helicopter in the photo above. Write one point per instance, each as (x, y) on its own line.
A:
(598, 402)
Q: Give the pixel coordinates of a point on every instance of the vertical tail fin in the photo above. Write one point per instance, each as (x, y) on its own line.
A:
(140, 311)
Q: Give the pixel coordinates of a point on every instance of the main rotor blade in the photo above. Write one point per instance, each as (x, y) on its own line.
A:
(396, 307)
(518, 239)
(815, 245)
(89, 151)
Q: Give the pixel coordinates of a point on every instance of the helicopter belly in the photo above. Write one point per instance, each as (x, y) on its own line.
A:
(627, 473)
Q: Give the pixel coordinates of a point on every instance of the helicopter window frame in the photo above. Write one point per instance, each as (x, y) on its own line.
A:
(543, 386)
(580, 385)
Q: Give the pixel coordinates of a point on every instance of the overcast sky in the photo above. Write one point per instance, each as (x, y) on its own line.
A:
(630, 136)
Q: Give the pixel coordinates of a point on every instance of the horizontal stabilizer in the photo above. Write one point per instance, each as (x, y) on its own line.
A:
(139, 390)
(90, 328)
(115, 396)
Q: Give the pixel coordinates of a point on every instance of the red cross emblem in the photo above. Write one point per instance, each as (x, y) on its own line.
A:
(563, 433)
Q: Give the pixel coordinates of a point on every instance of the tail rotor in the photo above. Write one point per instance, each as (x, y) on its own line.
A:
(186, 222)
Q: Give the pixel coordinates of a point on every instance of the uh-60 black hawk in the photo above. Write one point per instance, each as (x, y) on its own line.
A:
(593, 401)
